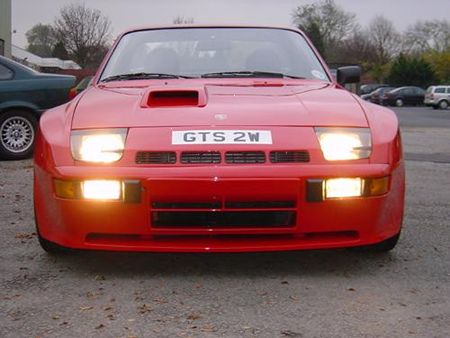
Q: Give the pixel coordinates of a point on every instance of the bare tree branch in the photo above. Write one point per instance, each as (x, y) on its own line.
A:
(386, 40)
(84, 32)
(428, 35)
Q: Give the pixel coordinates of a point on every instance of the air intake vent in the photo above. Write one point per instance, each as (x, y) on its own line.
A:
(289, 156)
(200, 157)
(173, 98)
(156, 157)
(245, 157)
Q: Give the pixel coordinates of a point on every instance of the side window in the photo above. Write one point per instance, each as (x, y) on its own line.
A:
(448, 90)
(5, 73)
(440, 90)
(407, 91)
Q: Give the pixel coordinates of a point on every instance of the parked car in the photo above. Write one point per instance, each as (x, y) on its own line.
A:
(404, 96)
(378, 95)
(369, 88)
(82, 85)
(218, 139)
(24, 95)
(366, 97)
(437, 97)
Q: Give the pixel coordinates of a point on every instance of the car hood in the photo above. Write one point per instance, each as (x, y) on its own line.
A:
(253, 104)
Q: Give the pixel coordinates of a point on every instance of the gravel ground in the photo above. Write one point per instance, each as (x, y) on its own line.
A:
(303, 294)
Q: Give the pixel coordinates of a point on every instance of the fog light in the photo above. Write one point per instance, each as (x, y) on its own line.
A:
(101, 190)
(343, 187)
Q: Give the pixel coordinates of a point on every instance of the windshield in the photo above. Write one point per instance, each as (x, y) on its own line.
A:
(213, 52)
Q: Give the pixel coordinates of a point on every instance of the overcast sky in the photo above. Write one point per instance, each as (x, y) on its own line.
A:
(128, 13)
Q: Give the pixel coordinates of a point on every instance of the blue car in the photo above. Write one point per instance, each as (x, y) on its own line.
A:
(24, 95)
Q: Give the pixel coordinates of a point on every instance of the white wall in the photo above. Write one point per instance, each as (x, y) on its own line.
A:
(5, 25)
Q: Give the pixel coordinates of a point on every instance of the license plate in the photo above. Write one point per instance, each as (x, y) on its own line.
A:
(222, 137)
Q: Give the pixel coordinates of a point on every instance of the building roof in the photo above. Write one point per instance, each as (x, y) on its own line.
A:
(31, 59)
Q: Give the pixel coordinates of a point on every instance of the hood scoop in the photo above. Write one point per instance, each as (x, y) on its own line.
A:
(174, 97)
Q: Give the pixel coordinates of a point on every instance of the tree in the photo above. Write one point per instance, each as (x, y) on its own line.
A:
(41, 39)
(332, 23)
(181, 20)
(59, 51)
(313, 32)
(83, 32)
(440, 62)
(428, 35)
(411, 71)
(385, 39)
(356, 49)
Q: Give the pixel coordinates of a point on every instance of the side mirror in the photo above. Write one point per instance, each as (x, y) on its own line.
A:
(349, 74)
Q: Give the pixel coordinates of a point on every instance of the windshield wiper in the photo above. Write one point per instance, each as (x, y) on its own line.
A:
(142, 75)
(246, 73)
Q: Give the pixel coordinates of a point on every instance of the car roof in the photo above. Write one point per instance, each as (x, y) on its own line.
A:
(178, 26)
(440, 86)
(405, 87)
(16, 66)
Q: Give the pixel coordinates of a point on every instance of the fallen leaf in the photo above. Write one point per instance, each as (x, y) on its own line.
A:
(193, 316)
(289, 333)
(208, 328)
(86, 308)
(24, 235)
(144, 308)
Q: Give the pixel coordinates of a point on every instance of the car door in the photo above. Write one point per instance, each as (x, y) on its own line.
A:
(419, 96)
(408, 96)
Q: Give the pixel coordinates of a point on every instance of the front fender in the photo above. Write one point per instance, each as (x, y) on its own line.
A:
(16, 104)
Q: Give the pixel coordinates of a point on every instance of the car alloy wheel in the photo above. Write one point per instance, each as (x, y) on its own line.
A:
(399, 103)
(17, 134)
(443, 104)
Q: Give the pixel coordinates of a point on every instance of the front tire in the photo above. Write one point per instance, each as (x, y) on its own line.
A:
(399, 103)
(52, 248)
(384, 246)
(443, 104)
(17, 134)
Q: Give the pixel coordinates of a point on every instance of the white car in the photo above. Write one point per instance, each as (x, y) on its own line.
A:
(438, 97)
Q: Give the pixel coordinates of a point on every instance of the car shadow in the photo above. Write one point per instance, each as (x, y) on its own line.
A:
(311, 263)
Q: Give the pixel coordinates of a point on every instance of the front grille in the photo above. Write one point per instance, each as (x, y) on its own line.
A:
(223, 219)
(245, 157)
(226, 214)
(156, 157)
(213, 157)
(200, 157)
(289, 156)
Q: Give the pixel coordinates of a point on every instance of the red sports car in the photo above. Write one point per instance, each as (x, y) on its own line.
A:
(218, 139)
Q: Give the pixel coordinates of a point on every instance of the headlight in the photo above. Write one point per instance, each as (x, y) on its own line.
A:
(344, 143)
(99, 145)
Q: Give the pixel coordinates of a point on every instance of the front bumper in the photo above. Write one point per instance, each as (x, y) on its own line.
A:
(121, 226)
